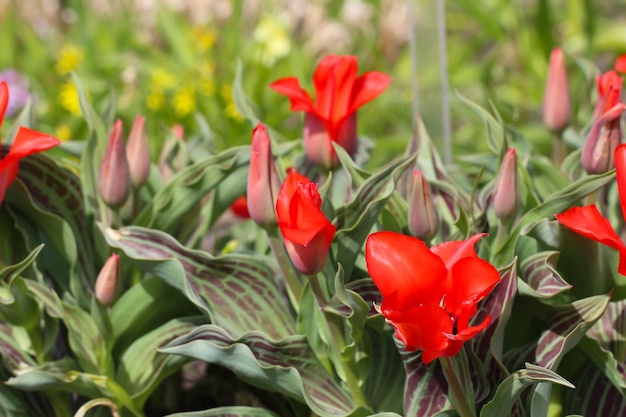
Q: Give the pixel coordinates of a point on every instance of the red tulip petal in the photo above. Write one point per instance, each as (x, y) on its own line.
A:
(422, 327)
(472, 280)
(334, 79)
(620, 63)
(367, 87)
(469, 332)
(401, 263)
(620, 174)
(299, 98)
(8, 172)
(451, 252)
(4, 100)
(588, 222)
(28, 142)
(286, 192)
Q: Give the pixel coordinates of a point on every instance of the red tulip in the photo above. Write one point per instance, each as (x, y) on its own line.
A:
(588, 222)
(240, 207)
(605, 133)
(332, 116)
(430, 295)
(306, 230)
(263, 180)
(620, 64)
(27, 142)
(114, 173)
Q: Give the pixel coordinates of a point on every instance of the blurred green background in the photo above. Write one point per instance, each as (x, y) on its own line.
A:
(172, 59)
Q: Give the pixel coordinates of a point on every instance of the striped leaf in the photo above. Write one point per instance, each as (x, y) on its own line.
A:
(355, 220)
(237, 411)
(598, 398)
(225, 171)
(541, 277)
(511, 388)
(141, 368)
(425, 389)
(54, 205)
(13, 355)
(287, 366)
(237, 292)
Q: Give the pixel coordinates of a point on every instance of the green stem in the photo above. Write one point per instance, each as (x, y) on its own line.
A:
(455, 389)
(95, 403)
(337, 343)
(558, 149)
(292, 280)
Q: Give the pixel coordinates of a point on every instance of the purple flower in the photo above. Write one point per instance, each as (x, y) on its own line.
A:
(18, 86)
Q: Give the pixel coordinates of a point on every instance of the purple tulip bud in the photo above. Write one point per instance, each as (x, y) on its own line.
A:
(114, 175)
(108, 281)
(505, 199)
(423, 218)
(138, 153)
(556, 100)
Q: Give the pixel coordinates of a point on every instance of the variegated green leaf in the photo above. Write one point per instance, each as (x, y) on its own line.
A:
(425, 390)
(541, 277)
(238, 292)
(598, 398)
(287, 366)
(511, 388)
(355, 220)
(14, 403)
(142, 367)
(64, 376)
(13, 354)
(239, 411)
(188, 187)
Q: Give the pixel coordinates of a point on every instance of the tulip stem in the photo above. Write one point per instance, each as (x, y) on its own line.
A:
(337, 343)
(292, 280)
(558, 149)
(455, 389)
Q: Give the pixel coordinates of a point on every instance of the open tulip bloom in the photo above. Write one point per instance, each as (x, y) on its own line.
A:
(588, 222)
(332, 116)
(430, 295)
(27, 142)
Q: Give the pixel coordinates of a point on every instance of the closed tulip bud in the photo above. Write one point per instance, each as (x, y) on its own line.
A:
(604, 137)
(263, 180)
(423, 218)
(138, 153)
(108, 281)
(505, 199)
(114, 173)
(556, 100)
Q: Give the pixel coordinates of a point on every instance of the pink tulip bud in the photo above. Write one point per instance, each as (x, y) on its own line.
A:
(138, 153)
(604, 137)
(556, 101)
(263, 180)
(423, 218)
(114, 175)
(108, 281)
(318, 143)
(505, 199)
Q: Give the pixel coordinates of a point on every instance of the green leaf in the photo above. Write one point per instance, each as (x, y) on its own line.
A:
(141, 368)
(242, 102)
(355, 220)
(9, 273)
(288, 366)
(13, 353)
(424, 395)
(237, 291)
(236, 411)
(191, 185)
(510, 389)
(495, 130)
(540, 276)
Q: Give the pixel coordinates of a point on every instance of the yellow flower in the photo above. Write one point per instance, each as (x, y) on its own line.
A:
(155, 100)
(203, 37)
(69, 59)
(68, 97)
(162, 80)
(272, 40)
(185, 101)
(232, 112)
(63, 132)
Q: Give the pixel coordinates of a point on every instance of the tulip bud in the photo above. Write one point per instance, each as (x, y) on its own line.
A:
(318, 141)
(114, 175)
(505, 199)
(604, 137)
(108, 281)
(423, 218)
(240, 207)
(263, 180)
(138, 153)
(556, 101)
